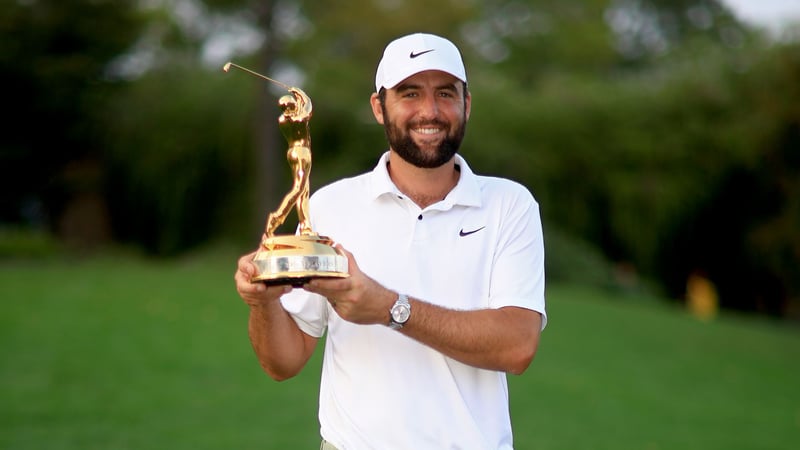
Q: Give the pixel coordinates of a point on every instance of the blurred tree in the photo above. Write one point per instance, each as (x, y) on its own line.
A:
(743, 231)
(180, 162)
(645, 29)
(53, 57)
(215, 151)
(638, 124)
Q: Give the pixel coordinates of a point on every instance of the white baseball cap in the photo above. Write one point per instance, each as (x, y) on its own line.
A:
(417, 53)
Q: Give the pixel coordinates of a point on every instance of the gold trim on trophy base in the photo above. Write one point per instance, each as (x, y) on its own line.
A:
(296, 259)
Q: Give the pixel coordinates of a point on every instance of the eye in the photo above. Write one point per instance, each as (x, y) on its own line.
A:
(448, 93)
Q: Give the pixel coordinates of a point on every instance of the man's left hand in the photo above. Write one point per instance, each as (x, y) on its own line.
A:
(357, 298)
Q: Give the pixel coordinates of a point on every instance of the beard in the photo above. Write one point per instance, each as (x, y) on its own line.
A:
(401, 142)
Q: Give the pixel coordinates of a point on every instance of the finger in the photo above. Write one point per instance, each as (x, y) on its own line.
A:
(261, 294)
(277, 290)
(327, 286)
(246, 264)
(270, 294)
(247, 287)
(244, 278)
(352, 266)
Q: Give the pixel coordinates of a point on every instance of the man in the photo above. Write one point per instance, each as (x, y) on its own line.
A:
(446, 286)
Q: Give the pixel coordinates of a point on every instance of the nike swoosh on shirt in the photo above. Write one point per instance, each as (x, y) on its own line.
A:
(414, 55)
(463, 233)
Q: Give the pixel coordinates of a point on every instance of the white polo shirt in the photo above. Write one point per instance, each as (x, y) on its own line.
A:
(480, 247)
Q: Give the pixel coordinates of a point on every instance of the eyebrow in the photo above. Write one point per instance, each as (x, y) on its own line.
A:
(408, 87)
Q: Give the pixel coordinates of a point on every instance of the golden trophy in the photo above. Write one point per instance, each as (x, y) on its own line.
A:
(295, 259)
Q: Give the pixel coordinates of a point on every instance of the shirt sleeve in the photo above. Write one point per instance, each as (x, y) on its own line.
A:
(309, 311)
(518, 273)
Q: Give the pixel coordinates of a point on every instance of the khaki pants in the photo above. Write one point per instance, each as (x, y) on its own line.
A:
(325, 445)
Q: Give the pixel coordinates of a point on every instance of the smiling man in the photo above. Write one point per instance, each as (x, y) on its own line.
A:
(446, 287)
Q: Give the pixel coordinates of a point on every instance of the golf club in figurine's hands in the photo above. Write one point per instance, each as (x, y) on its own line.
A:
(295, 259)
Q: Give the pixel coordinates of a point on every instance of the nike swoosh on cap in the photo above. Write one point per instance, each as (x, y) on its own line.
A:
(463, 233)
(414, 55)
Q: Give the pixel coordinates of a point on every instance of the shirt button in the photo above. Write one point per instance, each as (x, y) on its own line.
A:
(419, 217)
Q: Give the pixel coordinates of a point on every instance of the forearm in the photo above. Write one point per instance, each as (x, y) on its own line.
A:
(281, 347)
(502, 339)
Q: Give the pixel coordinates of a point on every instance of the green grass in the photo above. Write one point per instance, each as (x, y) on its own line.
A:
(128, 353)
(622, 373)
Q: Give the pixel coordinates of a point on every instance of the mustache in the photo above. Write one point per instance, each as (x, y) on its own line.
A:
(431, 122)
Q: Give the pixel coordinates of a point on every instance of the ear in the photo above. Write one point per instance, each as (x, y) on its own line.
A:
(467, 104)
(377, 111)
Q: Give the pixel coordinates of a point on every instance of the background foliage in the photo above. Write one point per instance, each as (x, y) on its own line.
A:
(662, 138)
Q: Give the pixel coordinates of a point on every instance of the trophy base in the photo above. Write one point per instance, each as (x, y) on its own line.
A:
(297, 259)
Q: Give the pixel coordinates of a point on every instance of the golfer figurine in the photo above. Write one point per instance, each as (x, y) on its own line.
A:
(294, 126)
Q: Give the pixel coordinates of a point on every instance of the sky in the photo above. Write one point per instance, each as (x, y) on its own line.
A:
(772, 14)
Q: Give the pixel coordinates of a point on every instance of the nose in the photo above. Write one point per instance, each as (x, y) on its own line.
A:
(429, 108)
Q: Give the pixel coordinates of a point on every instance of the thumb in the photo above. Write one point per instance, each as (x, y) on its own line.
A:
(352, 267)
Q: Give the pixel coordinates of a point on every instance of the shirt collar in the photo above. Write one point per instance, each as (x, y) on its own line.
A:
(467, 191)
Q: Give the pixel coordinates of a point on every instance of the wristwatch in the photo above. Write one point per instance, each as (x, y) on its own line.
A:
(400, 312)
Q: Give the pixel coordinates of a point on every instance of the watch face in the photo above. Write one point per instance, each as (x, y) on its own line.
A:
(400, 313)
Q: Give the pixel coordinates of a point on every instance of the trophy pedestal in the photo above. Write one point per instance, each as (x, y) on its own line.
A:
(298, 258)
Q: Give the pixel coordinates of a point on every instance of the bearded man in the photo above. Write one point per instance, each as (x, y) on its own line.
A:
(446, 288)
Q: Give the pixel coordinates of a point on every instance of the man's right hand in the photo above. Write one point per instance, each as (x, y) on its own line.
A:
(255, 294)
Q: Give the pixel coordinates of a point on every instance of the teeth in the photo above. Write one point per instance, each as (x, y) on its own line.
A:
(427, 130)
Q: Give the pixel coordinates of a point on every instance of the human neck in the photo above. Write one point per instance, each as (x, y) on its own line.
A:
(423, 186)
